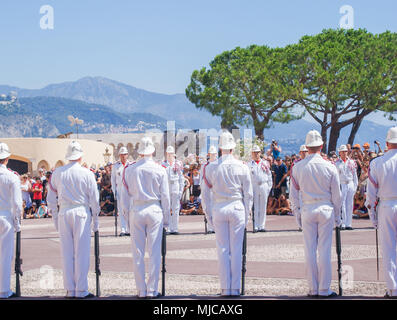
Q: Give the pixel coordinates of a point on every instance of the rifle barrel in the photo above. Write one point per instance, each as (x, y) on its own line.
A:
(339, 252)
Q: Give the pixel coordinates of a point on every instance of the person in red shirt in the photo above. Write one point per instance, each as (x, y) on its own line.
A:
(37, 190)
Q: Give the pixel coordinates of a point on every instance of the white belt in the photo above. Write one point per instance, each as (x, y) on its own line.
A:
(389, 199)
(66, 206)
(225, 199)
(145, 202)
(314, 201)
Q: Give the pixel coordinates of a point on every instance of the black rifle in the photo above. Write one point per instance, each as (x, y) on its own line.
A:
(377, 254)
(18, 263)
(163, 253)
(244, 269)
(253, 221)
(97, 262)
(205, 224)
(116, 212)
(339, 253)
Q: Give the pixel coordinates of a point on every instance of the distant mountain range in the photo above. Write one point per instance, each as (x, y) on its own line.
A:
(47, 117)
(124, 98)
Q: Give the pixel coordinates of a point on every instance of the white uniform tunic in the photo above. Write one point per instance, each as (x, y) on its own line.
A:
(117, 185)
(10, 214)
(382, 184)
(262, 182)
(146, 196)
(73, 188)
(347, 171)
(229, 182)
(317, 181)
(176, 183)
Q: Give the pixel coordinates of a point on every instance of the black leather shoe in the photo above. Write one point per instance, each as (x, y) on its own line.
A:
(88, 296)
(262, 230)
(388, 296)
(127, 234)
(312, 296)
(122, 234)
(349, 228)
(331, 295)
(158, 295)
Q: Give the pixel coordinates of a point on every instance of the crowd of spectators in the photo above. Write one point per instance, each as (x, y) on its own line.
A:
(34, 195)
(34, 189)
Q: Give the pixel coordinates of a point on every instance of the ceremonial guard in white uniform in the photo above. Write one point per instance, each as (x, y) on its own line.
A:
(146, 195)
(347, 170)
(117, 185)
(229, 181)
(10, 217)
(176, 181)
(317, 181)
(382, 204)
(74, 190)
(262, 182)
(303, 152)
(212, 156)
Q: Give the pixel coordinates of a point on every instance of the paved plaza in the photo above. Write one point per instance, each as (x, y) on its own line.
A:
(275, 262)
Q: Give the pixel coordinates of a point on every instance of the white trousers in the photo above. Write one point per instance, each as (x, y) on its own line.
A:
(146, 226)
(174, 218)
(317, 225)
(387, 211)
(348, 192)
(6, 255)
(261, 194)
(123, 220)
(75, 236)
(229, 224)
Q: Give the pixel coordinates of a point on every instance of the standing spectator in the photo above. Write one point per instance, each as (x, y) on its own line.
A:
(195, 181)
(280, 174)
(275, 149)
(37, 189)
(26, 188)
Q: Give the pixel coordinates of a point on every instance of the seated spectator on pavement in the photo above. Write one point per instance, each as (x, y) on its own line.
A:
(192, 207)
(42, 211)
(284, 206)
(107, 203)
(360, 211)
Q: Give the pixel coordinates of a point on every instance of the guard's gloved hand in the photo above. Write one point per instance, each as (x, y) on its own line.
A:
(95, 224)
(56, 223)
(166, 221)
(338, 220)
(374, 219)
(298, 218)
(17, 224)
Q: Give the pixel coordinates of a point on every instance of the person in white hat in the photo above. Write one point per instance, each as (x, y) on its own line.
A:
(117, 185)
(303, 152)
(317, 181)
(146, 195)
(229, 181)
(347, 170)
(211, 156)
(382, 204)
(74, 190)
(262, 183)
(176, 181)
(10, 217)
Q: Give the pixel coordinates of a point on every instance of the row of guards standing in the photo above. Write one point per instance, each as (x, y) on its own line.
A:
(230, 189)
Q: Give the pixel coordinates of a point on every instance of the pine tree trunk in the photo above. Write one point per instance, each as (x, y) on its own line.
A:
(333, 137)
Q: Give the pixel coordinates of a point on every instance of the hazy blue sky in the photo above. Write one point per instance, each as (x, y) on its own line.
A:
(155, 45)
